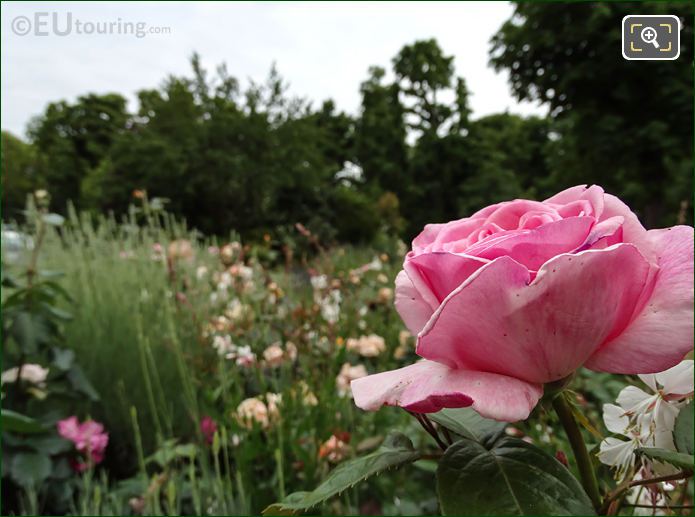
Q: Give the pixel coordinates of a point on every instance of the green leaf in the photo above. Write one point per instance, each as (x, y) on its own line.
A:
(29, 469)
(506, 477)
(18, 423)
(169, 452)
(49, 445)
(467, 423)
(678, 459)
(54, 219)
(45, 273)
(56, 290)
(56, 313)
(28, 331)
(63, 358)
(396, 450)
(78, 380)
(683, 430)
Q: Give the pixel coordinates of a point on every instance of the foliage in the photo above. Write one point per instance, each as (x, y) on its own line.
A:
(683, 433)
(35, 458)
(618, 133)
(20, 175)
(255, 158)
(396, 450)
(506, 476)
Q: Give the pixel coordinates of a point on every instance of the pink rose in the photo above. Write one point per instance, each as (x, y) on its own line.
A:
(89, 439)
(523, 293)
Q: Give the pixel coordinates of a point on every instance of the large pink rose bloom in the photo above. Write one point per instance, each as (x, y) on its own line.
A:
(523, 293)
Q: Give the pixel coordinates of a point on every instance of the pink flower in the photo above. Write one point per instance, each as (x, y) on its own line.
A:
(208, 427)
(523, 293)
(89, 439)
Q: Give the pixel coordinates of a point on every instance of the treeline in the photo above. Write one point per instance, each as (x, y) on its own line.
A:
(255, 159)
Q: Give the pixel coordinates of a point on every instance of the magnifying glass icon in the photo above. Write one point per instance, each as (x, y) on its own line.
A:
(648, 35)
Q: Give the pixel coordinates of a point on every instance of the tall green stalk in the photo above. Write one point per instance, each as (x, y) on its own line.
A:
(581, 455)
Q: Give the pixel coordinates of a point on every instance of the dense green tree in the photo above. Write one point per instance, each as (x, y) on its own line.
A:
(623, 124)
(20, 174)
(72, 140)
(380, 135)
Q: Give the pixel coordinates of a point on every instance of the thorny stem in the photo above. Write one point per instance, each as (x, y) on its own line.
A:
(581, 455)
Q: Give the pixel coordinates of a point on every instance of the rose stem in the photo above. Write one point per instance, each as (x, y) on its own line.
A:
(581, 455)
(430, 430)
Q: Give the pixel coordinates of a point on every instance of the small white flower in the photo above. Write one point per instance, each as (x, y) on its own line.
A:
(319, 282)
(223, 345)
(620, 453)
(330, 306)
(646, 420)
(244, 356)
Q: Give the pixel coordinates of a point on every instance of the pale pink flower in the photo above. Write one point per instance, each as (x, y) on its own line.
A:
(523, 293)
(334, 450)
(274, 356)
(367, 346)
(348, 373)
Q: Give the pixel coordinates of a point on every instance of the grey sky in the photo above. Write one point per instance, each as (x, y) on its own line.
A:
(322, 49)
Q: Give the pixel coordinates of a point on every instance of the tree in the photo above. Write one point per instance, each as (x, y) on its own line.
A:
(620, 123)
(380, 135)
(72, 139)
(20, 175)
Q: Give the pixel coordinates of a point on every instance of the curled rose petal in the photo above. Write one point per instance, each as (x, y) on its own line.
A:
(532, 291)
(536, 246)
(437, 274)
(411, 305)
(539, 331)
(662, 332)
(427, 387)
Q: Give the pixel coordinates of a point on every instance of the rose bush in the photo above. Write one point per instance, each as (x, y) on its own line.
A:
(523, 293)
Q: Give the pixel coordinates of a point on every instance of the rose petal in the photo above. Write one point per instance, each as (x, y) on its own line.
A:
(440, 273)
(508, 215)
(633, 231)
(540, 331)
(662, 332)
(594, 195)
(604, 234)
(410, 304)
(427, 387)
(436, 236)
(536, 246)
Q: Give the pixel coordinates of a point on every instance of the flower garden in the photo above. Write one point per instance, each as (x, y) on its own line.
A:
(149, 370)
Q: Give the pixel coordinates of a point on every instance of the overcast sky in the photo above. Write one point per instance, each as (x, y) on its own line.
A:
(322, 49)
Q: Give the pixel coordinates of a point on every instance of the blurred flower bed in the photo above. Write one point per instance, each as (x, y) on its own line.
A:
(214, 376)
